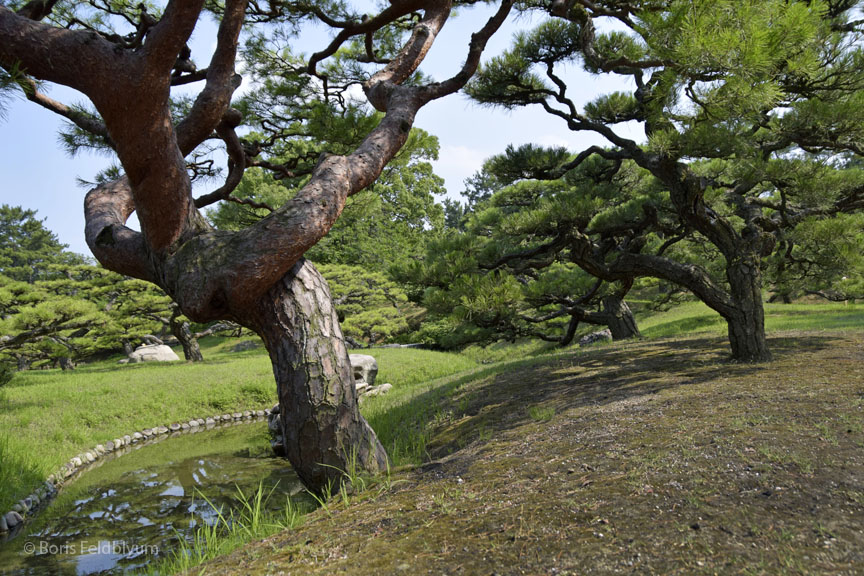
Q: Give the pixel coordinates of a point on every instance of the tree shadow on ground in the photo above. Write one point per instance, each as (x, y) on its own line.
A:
(595, 377)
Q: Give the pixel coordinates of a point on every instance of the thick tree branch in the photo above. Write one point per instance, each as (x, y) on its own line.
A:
(169, 35)
(475, 50)
(79, 59)
(118, 248)
(213, 101)
(379, 87)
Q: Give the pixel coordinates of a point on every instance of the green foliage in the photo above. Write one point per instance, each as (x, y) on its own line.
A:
(753, 146)
(510, 272)
(383, 224)
(7, 372)
(28, 250)
(54, 306)
(372, 309)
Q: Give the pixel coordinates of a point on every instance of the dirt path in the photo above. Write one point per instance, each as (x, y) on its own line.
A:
(651, 458)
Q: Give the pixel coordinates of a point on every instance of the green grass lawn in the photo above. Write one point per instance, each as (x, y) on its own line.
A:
(47, 417)
(697, 318)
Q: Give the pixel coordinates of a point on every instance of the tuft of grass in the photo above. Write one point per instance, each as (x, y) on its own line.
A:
(541, 413)
(231, 530)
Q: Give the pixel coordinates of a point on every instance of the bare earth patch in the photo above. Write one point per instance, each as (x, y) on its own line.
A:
(652, 457)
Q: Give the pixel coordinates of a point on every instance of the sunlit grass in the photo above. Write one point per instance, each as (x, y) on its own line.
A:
(251, 520)
(47, 417)
(50, 416)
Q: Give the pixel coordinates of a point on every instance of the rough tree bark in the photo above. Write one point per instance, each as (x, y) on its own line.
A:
(321, 422)
(256, 276)
(619, 318)
(181, 331)
(747, 322)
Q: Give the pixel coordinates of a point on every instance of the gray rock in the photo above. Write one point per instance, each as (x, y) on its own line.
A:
(273, 424)
(19, 507)
(137, 436)
(13, 519)
(184, 426)
(175, 427)
(162, 430)
(378, 390)
(260, 413)
(601, 336)
(246, 345)
(76, 462)
(100, 449)
(365, 368)
(209, 422)
(153, 353)
(127, 440)
(4, 527)
(123, 361)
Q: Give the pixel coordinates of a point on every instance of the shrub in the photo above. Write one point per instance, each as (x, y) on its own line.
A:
(7, 372)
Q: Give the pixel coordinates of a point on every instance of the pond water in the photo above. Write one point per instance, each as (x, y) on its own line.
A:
(131, 509)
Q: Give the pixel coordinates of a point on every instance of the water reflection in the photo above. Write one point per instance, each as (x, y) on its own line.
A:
(132, 510)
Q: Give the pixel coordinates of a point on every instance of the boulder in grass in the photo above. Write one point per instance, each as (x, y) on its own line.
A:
(378, 390)
(153, 353)
(365, 369)
(604, 335)
(13, 519)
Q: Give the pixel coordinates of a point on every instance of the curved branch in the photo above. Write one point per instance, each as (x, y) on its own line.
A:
(84, 121)
(379, 87)
(475, 50)
(396, 10)
(212, 102)
(169, 35)
(106, 210)
(237, 160)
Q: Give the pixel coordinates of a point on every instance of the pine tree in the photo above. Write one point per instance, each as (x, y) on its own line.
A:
(747, 110)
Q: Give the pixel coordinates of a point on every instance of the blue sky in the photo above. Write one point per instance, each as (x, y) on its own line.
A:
(38, 175)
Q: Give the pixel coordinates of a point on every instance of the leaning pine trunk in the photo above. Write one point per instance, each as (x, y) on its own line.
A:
(747, 323)
(620, 319)
(191, 348)
(324, 433)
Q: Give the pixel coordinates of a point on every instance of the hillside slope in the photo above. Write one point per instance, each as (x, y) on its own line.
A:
(652, 457)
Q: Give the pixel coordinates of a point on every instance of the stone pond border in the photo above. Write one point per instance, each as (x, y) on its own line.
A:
(48, 490)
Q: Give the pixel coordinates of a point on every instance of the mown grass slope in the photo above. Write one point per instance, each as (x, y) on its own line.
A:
(651, 457)
(49, 416)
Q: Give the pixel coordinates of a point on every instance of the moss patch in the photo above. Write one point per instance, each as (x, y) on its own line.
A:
(657, 457)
